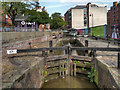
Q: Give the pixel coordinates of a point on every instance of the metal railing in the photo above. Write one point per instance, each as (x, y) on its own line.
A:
(68, 49)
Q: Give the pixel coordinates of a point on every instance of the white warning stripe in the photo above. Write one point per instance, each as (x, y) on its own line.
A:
(12, 51)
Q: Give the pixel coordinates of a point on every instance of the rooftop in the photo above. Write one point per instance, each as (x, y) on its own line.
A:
(79, 7)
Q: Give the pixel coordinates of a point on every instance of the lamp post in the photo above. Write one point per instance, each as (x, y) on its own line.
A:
(92, 23)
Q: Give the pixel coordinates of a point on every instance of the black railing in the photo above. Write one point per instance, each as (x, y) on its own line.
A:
(69, 49)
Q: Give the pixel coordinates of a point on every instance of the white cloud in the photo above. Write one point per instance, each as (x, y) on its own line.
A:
(79, 1)
(100, 4)
(55, 6)
(105, 1)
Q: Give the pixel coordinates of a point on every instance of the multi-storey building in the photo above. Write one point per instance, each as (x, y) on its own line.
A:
(85, 16)
(76, 17)
(113, 18)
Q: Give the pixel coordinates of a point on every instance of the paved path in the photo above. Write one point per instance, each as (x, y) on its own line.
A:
(110, 59)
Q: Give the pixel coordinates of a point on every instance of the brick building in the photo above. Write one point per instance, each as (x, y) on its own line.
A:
(113, 19)
(6, 21)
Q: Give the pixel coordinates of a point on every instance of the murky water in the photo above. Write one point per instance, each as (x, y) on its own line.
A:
(70, 82)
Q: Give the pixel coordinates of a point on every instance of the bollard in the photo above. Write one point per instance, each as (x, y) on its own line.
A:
(118, 60)
(86, 45)
(50, 45)
(30, 45)
(108, 44)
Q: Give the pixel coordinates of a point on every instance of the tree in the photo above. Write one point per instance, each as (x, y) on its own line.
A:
(57, 22)
(39, 17)
(12, 9)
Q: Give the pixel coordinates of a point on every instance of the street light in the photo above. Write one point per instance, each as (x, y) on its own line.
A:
(92, 23)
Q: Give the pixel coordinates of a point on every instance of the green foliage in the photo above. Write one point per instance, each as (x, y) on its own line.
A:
(12, 9)
(87, 63)
(83, 69)
(39, 17)
(57, 22)
(76, 62)
(91, 74)
(44, 73)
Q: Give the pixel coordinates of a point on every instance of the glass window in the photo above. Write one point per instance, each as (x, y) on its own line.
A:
(85, 8)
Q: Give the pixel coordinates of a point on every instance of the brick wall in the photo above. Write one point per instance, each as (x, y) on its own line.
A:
(23, 44)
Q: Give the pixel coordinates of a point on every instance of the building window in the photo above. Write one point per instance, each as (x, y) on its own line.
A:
(85, 23)
(85, 8)
(85, 13)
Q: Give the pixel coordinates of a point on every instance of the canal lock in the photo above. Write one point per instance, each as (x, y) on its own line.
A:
(63, 65)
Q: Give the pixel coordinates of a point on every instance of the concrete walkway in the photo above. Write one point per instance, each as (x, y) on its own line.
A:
(110, 59)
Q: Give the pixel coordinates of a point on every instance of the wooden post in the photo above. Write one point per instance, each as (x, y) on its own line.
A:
(60, 70)
(66, 70)
(74, 69)
(68, 59)
(118, 60)
(63, 69)
(71, 69)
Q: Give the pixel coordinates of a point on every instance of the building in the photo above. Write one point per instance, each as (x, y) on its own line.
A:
(6, 22)
(75, 17)
(113, 19)
(23, 25)
(39, 9)
(86, 16)
(97, 15)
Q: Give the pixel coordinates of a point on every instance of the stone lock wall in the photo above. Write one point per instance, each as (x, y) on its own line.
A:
(32, 77)
(104, 77)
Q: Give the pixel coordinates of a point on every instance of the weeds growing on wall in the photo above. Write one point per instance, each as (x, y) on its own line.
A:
(91, 74)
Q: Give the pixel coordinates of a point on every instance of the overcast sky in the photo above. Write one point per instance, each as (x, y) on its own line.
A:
(63, 5)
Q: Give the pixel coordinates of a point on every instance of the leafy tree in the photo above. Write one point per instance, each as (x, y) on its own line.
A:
(12, 9)
(57, 21)
(39, 17)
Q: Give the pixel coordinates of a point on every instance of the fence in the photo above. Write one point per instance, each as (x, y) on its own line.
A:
(68, 49)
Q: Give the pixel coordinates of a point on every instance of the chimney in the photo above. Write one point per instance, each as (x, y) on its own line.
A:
(43, 9)
(115, 3)
(39, 7)
(89, 4)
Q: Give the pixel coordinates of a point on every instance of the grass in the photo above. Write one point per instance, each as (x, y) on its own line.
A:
(98, 31)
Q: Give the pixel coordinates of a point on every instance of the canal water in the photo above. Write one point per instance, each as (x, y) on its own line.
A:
(70, 82)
